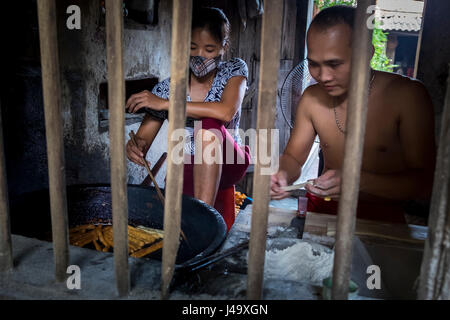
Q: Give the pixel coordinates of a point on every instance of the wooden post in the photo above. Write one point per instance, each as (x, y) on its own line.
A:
(267, 91)
(435, 274)
(116, 98)
(353, 149)
(6, 257)
(54, 134)
(181, 39)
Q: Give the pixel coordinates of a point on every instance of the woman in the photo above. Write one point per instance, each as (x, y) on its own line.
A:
(216, 91)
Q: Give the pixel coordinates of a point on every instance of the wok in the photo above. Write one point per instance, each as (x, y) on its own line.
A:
(203, 226)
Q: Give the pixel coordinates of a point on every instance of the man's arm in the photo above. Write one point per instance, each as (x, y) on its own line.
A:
(416, 131)
(297, 149)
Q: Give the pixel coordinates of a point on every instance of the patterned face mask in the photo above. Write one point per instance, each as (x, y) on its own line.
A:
(200, 67)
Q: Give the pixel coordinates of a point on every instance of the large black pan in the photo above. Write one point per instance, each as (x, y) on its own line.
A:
(203, 226)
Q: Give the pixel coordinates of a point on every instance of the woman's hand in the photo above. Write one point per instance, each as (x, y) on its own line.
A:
(146, 99)
(327, 185)
(137, 154)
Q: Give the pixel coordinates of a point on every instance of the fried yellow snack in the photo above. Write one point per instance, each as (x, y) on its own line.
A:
(148, 250)
(97, 246)
(102, 238)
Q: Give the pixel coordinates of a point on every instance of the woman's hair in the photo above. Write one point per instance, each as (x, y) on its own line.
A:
(213, 20)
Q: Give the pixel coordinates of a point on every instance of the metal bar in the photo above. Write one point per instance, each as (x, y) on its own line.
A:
(181, 38)
(434, 274)
(354, 141)
(116, 98)
(267, 91)
(54, 134)
(6, 257)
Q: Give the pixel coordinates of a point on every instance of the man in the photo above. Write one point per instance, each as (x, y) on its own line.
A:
(399, 148)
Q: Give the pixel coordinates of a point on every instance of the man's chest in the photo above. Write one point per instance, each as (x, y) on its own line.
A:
(381, 133)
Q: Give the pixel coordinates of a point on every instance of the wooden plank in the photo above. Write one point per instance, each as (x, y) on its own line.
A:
(6, 257)
(181, 35)
(54, 134)
(116, 98)
(316, 223)
(270, 60)
(353, 149)
(288, 40)
(435, 271)
(325, 225)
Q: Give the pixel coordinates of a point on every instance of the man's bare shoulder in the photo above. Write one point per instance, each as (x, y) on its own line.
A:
(315, 95)
(404, 92)
(400, 86)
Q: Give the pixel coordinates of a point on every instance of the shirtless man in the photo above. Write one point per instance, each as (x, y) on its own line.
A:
(399, 146)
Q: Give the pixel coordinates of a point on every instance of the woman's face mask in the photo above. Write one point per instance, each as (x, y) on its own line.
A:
(200, 66)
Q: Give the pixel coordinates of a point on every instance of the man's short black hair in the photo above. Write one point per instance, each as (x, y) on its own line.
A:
(333, 16)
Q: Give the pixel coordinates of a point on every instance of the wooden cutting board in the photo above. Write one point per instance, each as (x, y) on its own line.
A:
(325, 225)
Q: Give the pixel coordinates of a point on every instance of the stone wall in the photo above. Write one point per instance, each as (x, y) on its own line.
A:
(83, 68)
(82, 57)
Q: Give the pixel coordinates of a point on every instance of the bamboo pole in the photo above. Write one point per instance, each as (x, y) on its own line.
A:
(353, 149)
(6, 257)
(435, 274)
(54, 134)
(267, 91)
(116, 98)
(181, 38)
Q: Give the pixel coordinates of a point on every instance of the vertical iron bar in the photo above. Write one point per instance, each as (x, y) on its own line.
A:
(180, 46)
(267, 91)
(54, 134)
(6, 257)
(353, 149)
(116, 98)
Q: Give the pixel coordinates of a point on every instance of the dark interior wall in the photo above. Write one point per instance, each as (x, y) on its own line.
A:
(21, 97)
(434, 56)
(82, 59)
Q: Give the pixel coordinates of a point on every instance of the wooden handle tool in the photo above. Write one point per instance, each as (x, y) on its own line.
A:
(158, 190)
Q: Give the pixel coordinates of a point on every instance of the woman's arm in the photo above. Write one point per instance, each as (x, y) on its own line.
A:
(144, 138)
(224, 110)
(232, 97)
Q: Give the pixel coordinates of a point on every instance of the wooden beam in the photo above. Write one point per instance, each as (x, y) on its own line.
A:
(353, 149)
(54, 134)
(267, 92)
(116, 98)
(6, 257)
(435, 274)
(181, 39)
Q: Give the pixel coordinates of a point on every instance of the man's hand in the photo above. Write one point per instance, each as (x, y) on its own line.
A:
(145, 99)
(327, 185)
(277, 181)
(137, 154)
